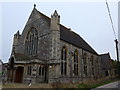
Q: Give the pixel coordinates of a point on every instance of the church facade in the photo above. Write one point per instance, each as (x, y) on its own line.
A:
(46, 51)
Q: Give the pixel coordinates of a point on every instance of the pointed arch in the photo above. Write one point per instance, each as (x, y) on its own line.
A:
(31, 42)
(85, 64)
(64, 60)
(29, 70)
(98, 66)
(92, 62)
(75, 62)
(92, 65)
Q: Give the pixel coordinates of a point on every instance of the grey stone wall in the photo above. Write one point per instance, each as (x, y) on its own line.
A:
(70, 60)
(54, 68)
(43, 30)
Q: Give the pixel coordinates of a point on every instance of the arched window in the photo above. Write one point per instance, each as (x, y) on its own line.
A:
(29, 70)
(98, 65)
(76, 63)
(41, 70)
(31, 43)
(92, 65)
(63, 61)
(85, 64)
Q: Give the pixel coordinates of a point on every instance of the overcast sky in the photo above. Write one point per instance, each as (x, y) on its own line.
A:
(89, 19)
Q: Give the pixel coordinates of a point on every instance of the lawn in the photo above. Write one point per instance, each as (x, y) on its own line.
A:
(19, 85)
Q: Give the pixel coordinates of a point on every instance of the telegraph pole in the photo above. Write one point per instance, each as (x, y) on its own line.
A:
(118, 66)
(116, 42)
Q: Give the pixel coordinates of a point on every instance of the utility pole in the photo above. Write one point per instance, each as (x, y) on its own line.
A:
(116, 42)
(118, 66)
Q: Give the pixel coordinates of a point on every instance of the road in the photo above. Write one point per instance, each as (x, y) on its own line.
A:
(110, 86)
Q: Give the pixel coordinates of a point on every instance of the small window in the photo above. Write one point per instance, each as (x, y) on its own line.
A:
(106, 73)
(41, 70)
(29, 70)
(98, 66)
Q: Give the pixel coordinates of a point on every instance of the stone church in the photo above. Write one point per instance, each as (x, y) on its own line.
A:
(47, 51)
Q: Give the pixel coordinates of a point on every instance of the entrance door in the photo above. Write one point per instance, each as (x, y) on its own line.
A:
(19, 74)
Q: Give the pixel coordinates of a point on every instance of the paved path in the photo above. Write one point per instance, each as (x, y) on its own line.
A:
(110, 86)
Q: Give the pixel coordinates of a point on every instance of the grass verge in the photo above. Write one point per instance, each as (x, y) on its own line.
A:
(88, 84)
(96, 83)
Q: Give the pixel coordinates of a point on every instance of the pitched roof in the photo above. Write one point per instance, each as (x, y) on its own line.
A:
(70, 36)
(74, 39)
(105, 56)
(106, 60)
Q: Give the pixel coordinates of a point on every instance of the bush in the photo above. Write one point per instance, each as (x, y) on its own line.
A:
(57, 85)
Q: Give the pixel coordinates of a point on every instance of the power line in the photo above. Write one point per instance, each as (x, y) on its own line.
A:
(111, 19)
(116, 41)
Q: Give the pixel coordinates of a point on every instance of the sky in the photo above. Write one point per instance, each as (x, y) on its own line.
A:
(119, 28)
(89, 19)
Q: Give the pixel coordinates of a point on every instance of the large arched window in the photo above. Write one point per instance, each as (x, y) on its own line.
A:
(63, 61)
(31, 43)
(76, 62)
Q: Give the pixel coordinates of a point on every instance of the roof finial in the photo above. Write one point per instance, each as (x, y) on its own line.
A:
(55, 13)
(34, 5)
(18, 33)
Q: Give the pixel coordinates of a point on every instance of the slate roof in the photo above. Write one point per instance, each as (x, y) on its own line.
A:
(106, 61)
(71, 37)
(20, 57)
(105, 56)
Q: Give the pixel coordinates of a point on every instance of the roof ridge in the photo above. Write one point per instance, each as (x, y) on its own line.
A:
(69, 29)
(105, 53)
(44, 14)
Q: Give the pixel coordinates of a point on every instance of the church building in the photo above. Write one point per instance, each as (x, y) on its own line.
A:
(47, 52)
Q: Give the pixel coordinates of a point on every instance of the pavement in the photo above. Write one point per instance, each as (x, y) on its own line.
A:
(110, 86)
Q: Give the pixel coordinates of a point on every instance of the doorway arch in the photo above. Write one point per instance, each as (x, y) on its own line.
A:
(19, 74)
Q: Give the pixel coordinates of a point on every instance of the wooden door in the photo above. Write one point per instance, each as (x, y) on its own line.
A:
(19, 74)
